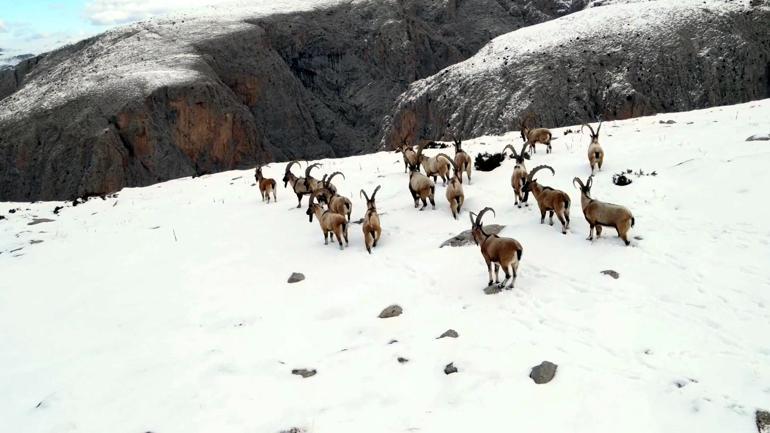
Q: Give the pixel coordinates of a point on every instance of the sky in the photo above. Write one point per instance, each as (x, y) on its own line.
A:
(36, 26)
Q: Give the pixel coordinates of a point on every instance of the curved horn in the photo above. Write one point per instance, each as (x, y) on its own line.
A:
(473, 223)
(310, 167)
(323, 180)
(592, 129)
(289, 165)
(590, 181)
(364, 193)
(451, 161)
(481, 214)
(598, 128)
(536, 169)
(375, 191)
(577, 179)
(329, 180)
(515, 155)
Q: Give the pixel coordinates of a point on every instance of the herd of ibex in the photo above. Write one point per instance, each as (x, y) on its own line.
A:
(333, 211)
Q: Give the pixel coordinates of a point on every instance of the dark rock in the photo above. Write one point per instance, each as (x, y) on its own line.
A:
(391, 311)
(95, 116)
(36, 221)
(305, 373)
(57, 209)
(294, 430)
(296, 277)
(402, 360)
(611, 273)
(759, 137)
(488, 162)
(451, 333)
(35, 241)
(466, 238)
(667, 122)
(450, 368)
(763, 421)
(568, 79)
(392, 341)
(620, 179)
(2, 217)
(543, 373)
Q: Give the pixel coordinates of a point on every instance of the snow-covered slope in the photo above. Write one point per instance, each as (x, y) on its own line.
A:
(166, 309)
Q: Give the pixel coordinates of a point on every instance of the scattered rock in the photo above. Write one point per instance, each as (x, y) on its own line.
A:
(2, 217)
(465, 238)
(620, 179)
(543, 373)
(35, 241)
(488, 162)
(296, 277)
(763, 421)
(667, 122)
(36, 221)
(294, 430)
(611, 273)
(17, 249)
(57, 209)
(759, 137)
(304, 372)
(638, 238)
(402, 360)
(12, 210)
(451, 333)
(450, 368)
(391, 311)
(392, 341)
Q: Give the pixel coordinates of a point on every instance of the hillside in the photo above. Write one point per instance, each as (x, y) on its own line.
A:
(166, 308)
(223, 88)
(615, 62)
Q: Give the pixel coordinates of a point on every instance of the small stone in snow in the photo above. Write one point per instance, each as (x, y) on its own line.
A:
(449, 333)
(667, 122)
(543, 373)
(450, 368)
(392, 341)
(36, 221)
(611, 273)
(294, 430)
(759, 137)
(296, 277)
(763, 421)
(303, 372)
(402, 360)
(391, 311)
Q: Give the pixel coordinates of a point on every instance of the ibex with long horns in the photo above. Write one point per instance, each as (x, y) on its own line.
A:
(266, 184)
(519, 176)
(595, 151)
(328, 194)
(330, 222)
(505, 252)
(371, 225)
(462, 160)
(410, 156)
(548, 199)
(301, 185)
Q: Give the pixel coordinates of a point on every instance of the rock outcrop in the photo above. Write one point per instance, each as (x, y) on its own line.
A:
(193, 94)
(614, 62)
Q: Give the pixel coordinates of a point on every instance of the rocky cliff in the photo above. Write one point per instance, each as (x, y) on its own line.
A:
(204, 93)
(613, 62)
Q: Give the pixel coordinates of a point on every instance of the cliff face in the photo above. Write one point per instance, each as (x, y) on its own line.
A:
(614, 62)
(163, 99)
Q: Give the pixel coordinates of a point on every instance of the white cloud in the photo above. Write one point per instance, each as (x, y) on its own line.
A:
(3, 27)
(110, 12)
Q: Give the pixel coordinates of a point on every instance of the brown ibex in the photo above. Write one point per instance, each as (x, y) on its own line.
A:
(266, 184)
(300, 185)
(421, 186)
(433, 166)
(600, 214)
(505, 252)
(533, 136)
(595, 151)
(371, 224)
(462, 159)
(519, 175)
(548, 199)
(410, 156)
(328, 194)
(454, 190)
(330, 222)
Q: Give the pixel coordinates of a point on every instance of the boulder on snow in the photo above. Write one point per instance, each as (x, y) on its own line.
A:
(36, 221)
(759, 137)
(466, 238)
(296, 277)
(451, 333)
(611, 273)
(402, 360)
(450, 368)
(763, 421)
(488, 162)
(667, 122)
(543, 373)
(304, 372)
(391, 311)
(294, 430)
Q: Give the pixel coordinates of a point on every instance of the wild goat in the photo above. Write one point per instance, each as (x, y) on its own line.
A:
(301, 185)
(410, 156)
(462, 159)
(421, 186)
(335, 202)
(548, 199)
(533, 136)
(600, 214)
(519, 175)
(266, 185)
(505, 252)
(595, 151)
(371, 224)
(330, 222)
(454, 190)
(433, 166)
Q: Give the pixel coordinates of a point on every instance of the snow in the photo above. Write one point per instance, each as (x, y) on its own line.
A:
(166, 309)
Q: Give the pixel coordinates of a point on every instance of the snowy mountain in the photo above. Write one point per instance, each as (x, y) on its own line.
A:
(221, 88)
(166, 308)
(617, 61)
